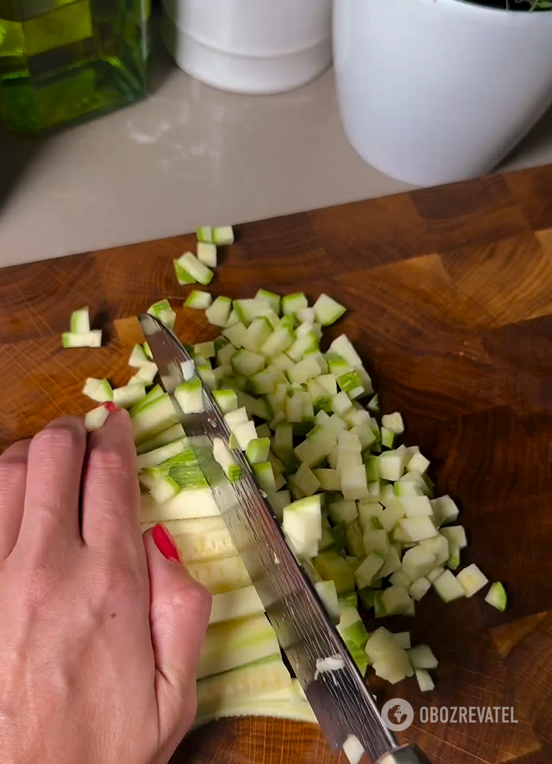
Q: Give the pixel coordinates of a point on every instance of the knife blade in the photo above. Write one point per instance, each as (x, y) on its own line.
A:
(340, 699)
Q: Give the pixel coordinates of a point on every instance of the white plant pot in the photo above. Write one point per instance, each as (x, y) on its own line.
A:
(250, 46)
(435, 91)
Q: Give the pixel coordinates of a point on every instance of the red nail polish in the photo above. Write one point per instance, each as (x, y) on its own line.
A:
(165, 543)
(111, 407)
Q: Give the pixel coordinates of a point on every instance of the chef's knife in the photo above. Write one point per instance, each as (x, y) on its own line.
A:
(339, 698)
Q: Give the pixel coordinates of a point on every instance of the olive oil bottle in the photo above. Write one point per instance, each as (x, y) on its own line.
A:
(65, 59)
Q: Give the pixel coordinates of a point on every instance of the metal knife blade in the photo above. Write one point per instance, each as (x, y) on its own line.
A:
(340, 699)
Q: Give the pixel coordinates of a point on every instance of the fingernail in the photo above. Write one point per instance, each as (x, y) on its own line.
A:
(111, 407)
(165, 543)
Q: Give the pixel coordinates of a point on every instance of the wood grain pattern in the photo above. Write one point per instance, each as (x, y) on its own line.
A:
(450, 297)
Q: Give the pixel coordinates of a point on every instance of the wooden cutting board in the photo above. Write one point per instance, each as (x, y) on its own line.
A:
(450, 298)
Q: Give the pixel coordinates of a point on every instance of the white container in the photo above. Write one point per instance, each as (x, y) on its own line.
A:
(434, 91)
(250, 46)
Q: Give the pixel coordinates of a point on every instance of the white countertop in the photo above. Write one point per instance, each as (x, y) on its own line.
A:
(188, 155)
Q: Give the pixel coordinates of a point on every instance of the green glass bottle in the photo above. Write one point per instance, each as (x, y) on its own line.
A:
(65, 59)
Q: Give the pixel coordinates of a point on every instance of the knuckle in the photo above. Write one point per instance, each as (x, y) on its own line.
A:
(59, 437)
(109, 461)
(193, 598)
(12, 473)
(116, 578)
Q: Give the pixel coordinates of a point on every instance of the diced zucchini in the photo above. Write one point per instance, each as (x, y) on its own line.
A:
(127, 396)
(355, 543)
(393, 422)
(419, 588)
(219, 311)
(236, 417)
(138, 357)
(416, 506)
(293, 303)
(376, 541)
(387, 438)
(448, 588)
(306, 480)
(396, 600)
(189, 396)
(257, 450)
(327, 311)
(302, 345)
(343, 511)
(353, 750)
(392, 664)
(80, 321)
(207, 254)
(391, 464)
(345, 349)
(418, 562)
(456, 535)
(366, 511)
(471, 580)
(205, 234)
(152, 415)
(145, 373)
(236, 334)
(330, 480)
(402, 639)
(368, 571)
(247, 363)
(316, 447)
(444, 510)
(422, 657)
(92, 339)
(302, 524)
(98, 390)
(434, 574)
(258, 331)
(330, 566)
(222, 456)
(182, 275)
(351, 384)
(223, 236)
(425, 682)
(373, 405)
(497, 597)
(264, 475)
(96, 418)
(400, 578)
(328, 594)
(163, 311)
(418, 463)
(189, 263)
(418, 528)
(198, 300)
(271, 298)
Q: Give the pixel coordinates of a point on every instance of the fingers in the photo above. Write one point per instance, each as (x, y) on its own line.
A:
(110, 492)
(179, 615)
(54, 467)
(13, 477)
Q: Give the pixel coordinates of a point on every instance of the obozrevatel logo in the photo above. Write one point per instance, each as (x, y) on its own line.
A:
(397, 714)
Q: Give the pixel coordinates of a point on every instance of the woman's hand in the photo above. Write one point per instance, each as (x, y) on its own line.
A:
(97, 658)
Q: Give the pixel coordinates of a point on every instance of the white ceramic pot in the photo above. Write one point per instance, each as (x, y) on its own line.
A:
(433, 91)
(250, 46)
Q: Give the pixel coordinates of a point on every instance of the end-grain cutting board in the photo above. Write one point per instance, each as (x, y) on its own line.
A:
(449, 293)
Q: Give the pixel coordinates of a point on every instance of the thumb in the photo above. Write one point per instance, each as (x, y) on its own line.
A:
(179, 614)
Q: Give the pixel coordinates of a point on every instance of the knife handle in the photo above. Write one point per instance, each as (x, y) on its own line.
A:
(406, 754)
